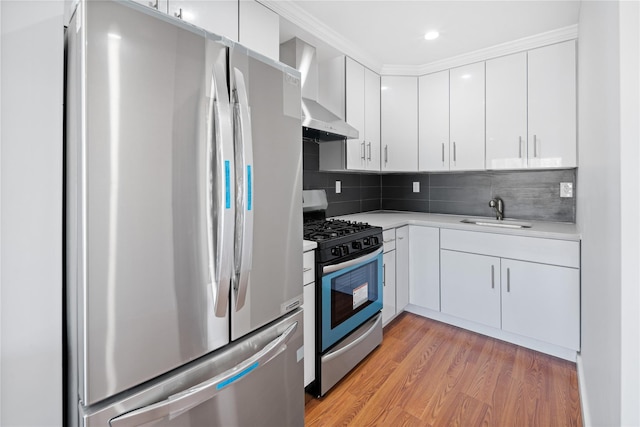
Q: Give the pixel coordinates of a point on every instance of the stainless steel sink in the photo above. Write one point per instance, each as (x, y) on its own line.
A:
(505, 223)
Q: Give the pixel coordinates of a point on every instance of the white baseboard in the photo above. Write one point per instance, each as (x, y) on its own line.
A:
(584, 401)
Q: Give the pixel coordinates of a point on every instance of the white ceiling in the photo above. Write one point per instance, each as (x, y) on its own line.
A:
(383, 33)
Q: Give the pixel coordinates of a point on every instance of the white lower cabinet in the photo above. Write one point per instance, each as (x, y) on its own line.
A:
(402, 268)
(389, 287)
(389, 276)
(471, 287)
(541, 302)
(309, 316)
(424, 267)
(536, 297)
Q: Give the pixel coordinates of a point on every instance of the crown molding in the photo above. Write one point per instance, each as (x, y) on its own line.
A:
(520, 45)
(290, 11)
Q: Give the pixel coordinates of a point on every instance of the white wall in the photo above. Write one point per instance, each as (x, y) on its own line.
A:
(608, 213)
(31, 213)
(630, 211)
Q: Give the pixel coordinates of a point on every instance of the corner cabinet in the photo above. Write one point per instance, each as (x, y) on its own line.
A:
(399, 134)
(363, 113)
(552, 106)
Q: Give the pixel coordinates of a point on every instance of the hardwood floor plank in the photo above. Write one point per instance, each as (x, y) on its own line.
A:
(427, 373)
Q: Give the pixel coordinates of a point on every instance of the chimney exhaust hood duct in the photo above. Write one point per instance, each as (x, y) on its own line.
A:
(318, 123)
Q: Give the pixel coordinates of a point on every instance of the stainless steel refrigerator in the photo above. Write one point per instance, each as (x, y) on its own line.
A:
(183, 226)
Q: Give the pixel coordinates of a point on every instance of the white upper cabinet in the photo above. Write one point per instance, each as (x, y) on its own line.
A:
(219, 17)
(160, 5)
(372, 119)
(399, 135)
(507, 112)
(259, 29)
(552, 106)
(363, 113)
(466, 148)
(433, 129)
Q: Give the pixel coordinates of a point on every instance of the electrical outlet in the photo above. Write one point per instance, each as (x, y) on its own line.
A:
(338, 187)
(566, 189)
(416, 187)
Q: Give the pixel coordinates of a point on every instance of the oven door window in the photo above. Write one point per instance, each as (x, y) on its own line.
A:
(350, 296)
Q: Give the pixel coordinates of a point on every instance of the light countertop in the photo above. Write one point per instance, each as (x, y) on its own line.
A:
(308, 245)
(393, 219)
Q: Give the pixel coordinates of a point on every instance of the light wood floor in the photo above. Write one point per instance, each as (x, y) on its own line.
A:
(427, 373)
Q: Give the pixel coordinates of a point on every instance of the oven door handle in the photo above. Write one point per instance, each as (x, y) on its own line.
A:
(335, 267)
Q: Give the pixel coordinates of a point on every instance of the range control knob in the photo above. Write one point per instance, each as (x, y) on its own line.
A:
(374, 240)
(345, 249)
(366, 241)
(335, 251)
(356, 245)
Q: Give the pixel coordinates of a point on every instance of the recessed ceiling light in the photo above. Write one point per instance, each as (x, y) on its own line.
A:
(431, 35)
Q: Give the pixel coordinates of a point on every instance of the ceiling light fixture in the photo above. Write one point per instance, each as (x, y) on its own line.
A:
(431, 35)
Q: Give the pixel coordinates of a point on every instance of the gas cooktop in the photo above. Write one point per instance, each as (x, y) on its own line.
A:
(338, 239)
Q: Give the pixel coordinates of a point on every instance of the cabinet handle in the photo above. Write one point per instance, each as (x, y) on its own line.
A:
(154, 4)
(307, 269)
(179, 13)
(400, 238)
(535, 146)
(520, 147)
(443, 154)
(454, 151)
(369, 157)
(386, 154)
(363, 151)
(384, 275)
(508, 280)
(493, 277)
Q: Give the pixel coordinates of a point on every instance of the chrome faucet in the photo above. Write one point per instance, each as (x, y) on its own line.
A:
(498, 205)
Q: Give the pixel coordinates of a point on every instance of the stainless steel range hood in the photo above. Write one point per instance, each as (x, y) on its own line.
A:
(318, 123)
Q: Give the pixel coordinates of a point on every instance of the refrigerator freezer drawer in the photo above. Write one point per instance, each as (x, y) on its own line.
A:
(257, 381)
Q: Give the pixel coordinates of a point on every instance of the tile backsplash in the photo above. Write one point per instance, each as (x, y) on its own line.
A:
(533, 195)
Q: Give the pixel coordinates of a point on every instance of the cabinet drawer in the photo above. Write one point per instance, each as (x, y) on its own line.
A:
(535, 249)
(308, 267)
(389, 239)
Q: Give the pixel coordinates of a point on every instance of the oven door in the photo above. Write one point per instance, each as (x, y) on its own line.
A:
(351, 293)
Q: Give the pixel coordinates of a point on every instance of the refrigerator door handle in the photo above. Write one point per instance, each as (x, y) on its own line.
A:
(218, 183)
(181, 402)
(245, 194)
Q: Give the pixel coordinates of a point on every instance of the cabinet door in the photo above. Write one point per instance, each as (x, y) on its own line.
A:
(399, 123)
(219, 17)
(433, 130)
(471, 287)
(424, 267)
(160, 5)
(372, 119)
(356, 148)
(467, 117)
(541, 301)
(259, 29)
(389, 288)
(507, 112)
(402, 268)
(552, 105)
(309, 333)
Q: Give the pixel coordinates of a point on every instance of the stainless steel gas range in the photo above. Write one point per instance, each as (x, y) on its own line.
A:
(348, 291)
